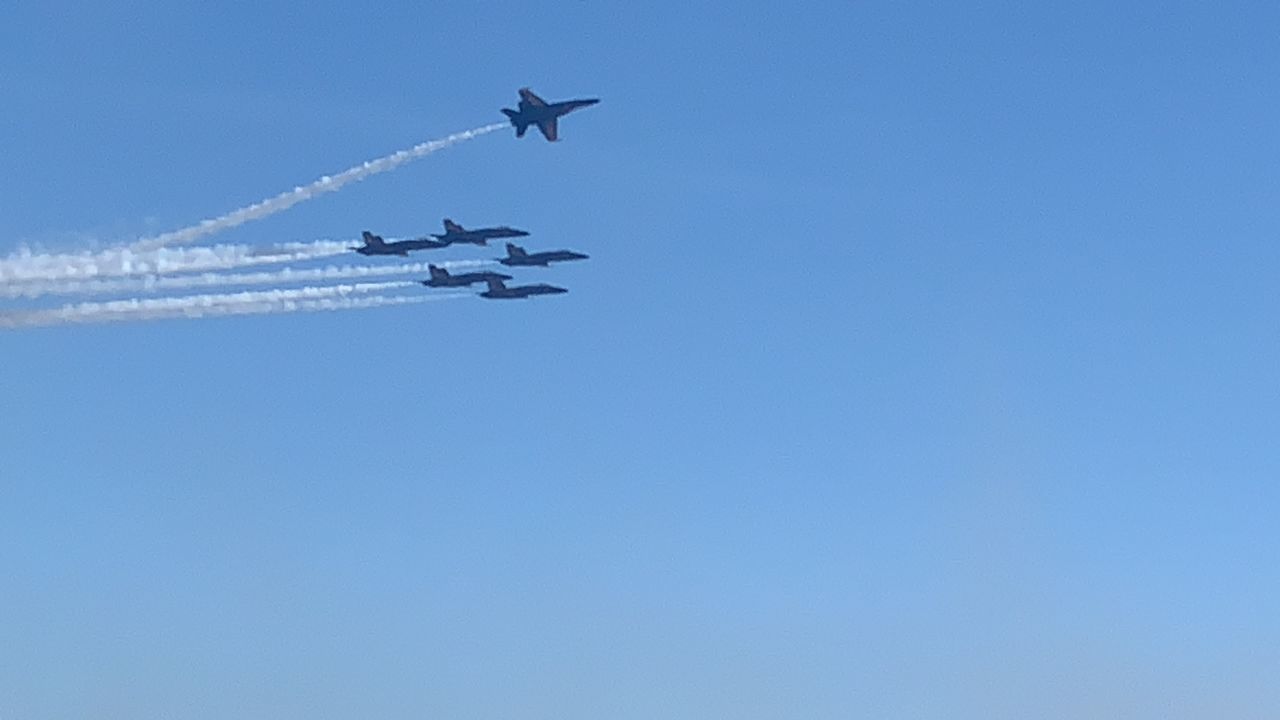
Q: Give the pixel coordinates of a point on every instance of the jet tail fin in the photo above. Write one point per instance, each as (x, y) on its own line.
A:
(438, 273)
(495, 285)
(528, 97)
(452, 227)
(514, 250)
(370, 239)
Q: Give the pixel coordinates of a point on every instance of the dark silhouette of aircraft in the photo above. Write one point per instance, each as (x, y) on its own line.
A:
(455, 233)
(517, 257)
(375, 245)
(441, 277)
(533, 110)
(498, 290)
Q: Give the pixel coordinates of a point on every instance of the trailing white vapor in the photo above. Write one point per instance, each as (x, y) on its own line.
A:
(195, 306)
(27, 267)
(327, 183)
(160, 283)
(266, 307)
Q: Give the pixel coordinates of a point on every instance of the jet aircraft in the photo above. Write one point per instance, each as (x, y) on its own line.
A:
(441, 277)
(455, 233)
(517, 257)
(498, 290)
(533, 110)
(375, 245)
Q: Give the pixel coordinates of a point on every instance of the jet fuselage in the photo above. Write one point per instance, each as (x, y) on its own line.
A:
(541, 259)
(463, 279)
(480, 236)
(455, 233)
(375, 245)
(499, 291)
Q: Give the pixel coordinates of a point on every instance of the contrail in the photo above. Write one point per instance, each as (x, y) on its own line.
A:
(332, 297)
(26, 267)
(159, 283)
(328, 183)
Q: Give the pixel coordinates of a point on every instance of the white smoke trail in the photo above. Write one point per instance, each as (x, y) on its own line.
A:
(265, 307)
(159, 283)
(27, 267)
(328, 183)
(194, 306)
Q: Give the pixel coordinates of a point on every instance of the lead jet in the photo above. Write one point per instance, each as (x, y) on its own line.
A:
(441, 277)
(375, 245)
(517, 257)
(455, 233)
(498, 290)
(533, 110)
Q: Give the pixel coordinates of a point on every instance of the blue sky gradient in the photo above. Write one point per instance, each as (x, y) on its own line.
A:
(925, 365)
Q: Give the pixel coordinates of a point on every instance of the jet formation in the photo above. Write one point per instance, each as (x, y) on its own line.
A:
(532, 110)
(517, 256)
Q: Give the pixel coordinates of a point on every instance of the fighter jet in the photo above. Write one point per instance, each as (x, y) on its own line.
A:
(455, 233)
(375, 245)
(498, 290)
(441, 277)
(536, 111)
(517, 257)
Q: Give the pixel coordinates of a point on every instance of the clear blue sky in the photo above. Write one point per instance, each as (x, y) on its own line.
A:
(925, 366)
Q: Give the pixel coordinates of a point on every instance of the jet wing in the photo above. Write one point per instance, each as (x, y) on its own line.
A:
(549, 129)
(527, 95)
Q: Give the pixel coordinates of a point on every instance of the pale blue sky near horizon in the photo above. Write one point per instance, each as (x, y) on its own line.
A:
(925, 365)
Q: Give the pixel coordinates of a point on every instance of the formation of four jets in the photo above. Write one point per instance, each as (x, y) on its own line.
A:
(532, 110)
